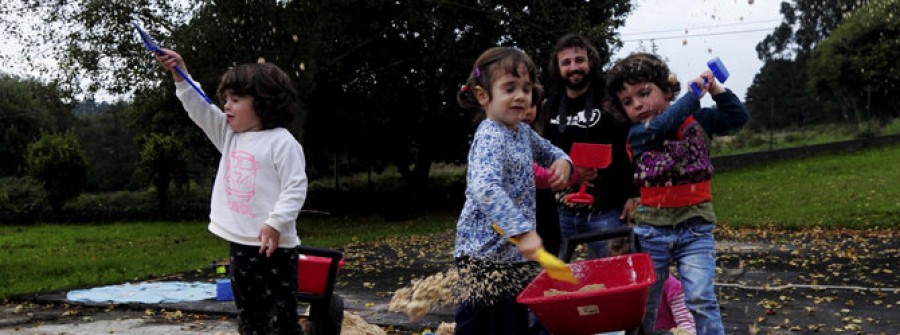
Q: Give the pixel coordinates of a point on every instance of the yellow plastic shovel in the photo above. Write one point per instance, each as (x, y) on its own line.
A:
(556, 268)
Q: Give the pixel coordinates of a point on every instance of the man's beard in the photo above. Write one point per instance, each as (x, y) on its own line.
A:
(578, 85)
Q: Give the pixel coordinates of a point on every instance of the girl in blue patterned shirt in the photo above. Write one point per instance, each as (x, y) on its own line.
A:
(500, 190)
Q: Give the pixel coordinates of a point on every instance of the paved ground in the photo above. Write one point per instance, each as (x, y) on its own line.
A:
(769, 282)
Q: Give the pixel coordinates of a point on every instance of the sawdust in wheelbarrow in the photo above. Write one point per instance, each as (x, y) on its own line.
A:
(425, 294)
(592, 287)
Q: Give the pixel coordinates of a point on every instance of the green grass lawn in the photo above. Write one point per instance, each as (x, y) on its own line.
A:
(856, 191)
(55, 256)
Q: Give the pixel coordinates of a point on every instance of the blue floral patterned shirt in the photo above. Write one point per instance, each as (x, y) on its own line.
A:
(500, 189)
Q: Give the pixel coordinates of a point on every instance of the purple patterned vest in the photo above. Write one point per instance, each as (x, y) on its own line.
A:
(681, 161)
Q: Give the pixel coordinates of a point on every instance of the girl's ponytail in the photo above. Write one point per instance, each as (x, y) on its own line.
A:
(466, 95)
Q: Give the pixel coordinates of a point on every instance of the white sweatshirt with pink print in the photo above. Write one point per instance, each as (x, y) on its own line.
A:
(261, 177)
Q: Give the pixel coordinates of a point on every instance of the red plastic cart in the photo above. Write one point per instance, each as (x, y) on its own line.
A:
(619, 306)
(317, 270)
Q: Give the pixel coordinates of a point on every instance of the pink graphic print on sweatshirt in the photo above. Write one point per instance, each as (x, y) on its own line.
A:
(240, 182)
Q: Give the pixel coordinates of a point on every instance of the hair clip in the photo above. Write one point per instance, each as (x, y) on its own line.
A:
(477, 72)
(464, 88)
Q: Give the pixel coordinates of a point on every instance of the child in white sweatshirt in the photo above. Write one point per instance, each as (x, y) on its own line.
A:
(259, 189)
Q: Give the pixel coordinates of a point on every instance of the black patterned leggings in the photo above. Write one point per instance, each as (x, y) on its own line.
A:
(264, 289)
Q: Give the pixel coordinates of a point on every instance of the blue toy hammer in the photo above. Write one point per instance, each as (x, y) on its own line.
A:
(719, 71)
(151, 45)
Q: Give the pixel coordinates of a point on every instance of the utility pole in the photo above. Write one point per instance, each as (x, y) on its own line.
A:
(771, 115)
(869, 109)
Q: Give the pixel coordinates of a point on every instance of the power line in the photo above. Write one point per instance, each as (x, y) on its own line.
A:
(696, 35)
(704, 27)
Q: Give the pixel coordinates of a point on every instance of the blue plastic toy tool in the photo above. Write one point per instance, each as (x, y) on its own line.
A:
(719, 71)
(151, 45)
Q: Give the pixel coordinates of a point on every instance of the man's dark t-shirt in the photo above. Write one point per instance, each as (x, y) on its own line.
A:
(613, 185)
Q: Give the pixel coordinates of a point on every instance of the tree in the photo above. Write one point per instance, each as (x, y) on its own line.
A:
(27, 108)
(163, 157)
(806, 23)
(59, 162)
(778, 98)
(858, 62)
(782, 80)
(109, 143)
(376, 77)
(404, 67)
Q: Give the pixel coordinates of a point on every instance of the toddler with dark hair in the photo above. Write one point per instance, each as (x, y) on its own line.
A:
(259, 189)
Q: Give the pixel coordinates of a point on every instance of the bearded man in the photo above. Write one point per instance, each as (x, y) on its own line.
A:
(575, 114)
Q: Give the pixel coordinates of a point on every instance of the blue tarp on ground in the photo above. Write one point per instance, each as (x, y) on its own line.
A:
(146, 293)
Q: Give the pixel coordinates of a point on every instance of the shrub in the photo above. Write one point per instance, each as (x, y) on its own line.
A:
(136, 206)
(865, 134)
(59, 162)
(21, 200)
(164, 158)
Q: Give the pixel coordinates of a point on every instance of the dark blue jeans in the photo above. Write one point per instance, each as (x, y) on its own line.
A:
(264, 290)
(573, 222)
(691, 246)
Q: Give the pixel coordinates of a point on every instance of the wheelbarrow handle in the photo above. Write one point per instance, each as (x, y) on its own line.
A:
(320, 252)
(568, 244)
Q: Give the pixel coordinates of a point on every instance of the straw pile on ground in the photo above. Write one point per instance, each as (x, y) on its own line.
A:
(425, 294)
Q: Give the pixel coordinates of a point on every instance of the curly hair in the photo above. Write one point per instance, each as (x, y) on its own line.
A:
(638, 68)
(275, 100)
(494, 62)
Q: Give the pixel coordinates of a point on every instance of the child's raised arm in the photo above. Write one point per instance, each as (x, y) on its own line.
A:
(729, 113)
(648, 135)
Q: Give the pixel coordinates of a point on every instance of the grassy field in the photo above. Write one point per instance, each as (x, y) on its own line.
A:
(855, 191)
(55, 256)
(748, 140)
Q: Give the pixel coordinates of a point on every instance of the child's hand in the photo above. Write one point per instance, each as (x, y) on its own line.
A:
(631, 206)
(268, 238)
(529, 243)
(711, 85)
(714, 87)
(699, 83)
(561, 171)
(169, 60)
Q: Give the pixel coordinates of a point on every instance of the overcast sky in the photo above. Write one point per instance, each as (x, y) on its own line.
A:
(690, 32)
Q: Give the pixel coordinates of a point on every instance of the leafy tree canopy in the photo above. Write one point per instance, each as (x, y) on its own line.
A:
(806, 22)
(861, 56)
(377, 78)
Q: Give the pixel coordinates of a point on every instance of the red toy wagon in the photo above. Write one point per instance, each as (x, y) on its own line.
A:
(317, 270)
(618, 306)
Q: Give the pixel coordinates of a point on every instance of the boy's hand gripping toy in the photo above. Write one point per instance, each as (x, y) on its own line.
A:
(151, 45)
(588, 155)
(556, 268)
(719, 71)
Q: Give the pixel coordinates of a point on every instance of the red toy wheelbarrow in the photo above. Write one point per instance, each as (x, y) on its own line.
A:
(588, 155)
(618, 306)
(317, 270)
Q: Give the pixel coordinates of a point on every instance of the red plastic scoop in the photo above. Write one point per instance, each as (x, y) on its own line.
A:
(588, 155)
(591, 155)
